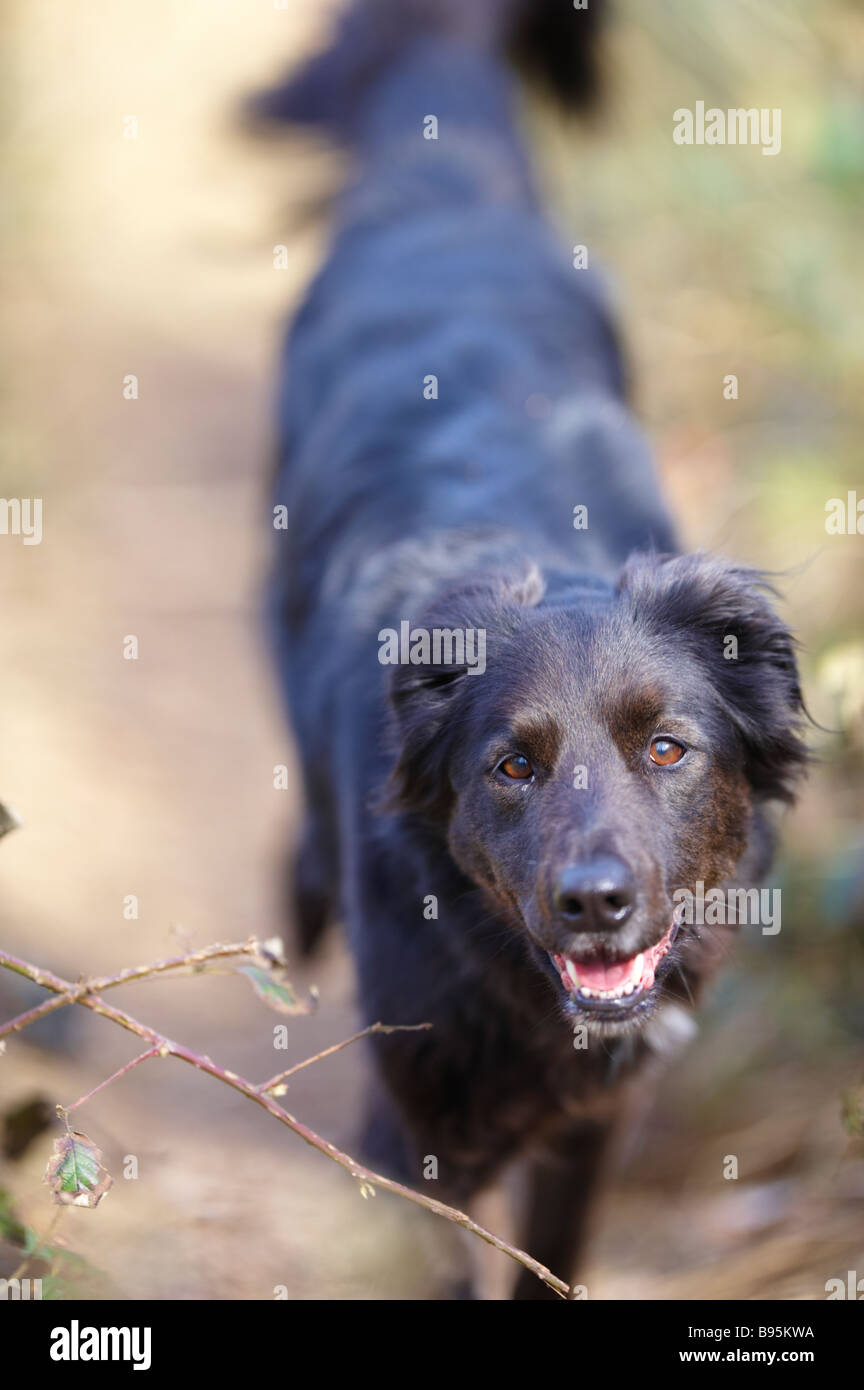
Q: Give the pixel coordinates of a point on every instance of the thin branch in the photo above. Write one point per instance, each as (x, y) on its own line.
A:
(75, 993)
(66, 1110)
(365, 1176)
(337, 1047)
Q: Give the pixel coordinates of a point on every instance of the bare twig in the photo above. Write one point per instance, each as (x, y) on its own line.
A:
(75, 993)
(337, 1047)
(66, 1110)
(89, 999)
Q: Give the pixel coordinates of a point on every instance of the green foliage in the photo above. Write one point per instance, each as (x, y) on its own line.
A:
(853, 1113)
(11, 1229)
(75, 1173)
(272, 985)
(63, 1274)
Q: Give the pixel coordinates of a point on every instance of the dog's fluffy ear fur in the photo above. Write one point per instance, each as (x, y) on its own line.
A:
(426, 700)
(704, 602)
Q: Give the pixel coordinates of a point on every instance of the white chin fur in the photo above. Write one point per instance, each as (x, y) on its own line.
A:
(671, 1030)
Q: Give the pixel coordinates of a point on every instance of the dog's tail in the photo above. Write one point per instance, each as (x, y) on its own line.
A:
(552, 41)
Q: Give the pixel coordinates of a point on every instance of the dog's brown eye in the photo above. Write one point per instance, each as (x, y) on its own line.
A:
(516, 767)
(665, 751)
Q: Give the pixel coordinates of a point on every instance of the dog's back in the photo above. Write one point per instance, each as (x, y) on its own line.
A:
(448, 343)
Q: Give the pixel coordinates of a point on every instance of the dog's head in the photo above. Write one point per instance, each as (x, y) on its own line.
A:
(612, 748)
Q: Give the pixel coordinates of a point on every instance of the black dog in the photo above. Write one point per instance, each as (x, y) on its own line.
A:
(522, 723)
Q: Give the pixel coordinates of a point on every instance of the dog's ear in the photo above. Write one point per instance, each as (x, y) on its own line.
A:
(429, 699)
(723, 613)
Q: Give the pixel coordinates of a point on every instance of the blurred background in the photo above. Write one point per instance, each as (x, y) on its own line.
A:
(153, 256)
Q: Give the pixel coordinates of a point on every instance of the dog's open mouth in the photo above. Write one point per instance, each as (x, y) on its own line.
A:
(614, 985)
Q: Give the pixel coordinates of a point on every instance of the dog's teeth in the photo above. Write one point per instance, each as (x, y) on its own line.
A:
(628, 989)
(573, 976)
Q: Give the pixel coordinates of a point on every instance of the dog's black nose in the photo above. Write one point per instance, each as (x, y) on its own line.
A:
(597, 894)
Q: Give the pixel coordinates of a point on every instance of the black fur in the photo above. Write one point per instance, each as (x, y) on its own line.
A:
(457, 512)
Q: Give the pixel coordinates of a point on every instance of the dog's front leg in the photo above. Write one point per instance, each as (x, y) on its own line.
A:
(561, 1188)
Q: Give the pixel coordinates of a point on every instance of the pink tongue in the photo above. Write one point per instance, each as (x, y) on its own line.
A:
(601, 976)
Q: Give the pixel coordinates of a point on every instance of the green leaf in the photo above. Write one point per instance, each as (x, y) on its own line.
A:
(75, 1173)
(273, 986)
